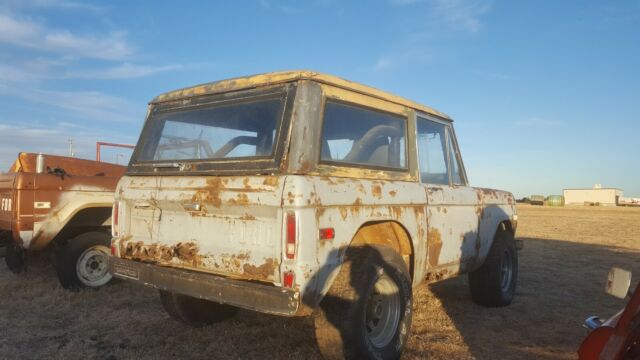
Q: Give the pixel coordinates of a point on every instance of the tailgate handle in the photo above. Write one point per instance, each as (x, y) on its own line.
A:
(142, 205)
(192, 207)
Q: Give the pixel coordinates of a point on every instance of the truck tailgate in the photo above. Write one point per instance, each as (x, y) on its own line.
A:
(7, 201)
(225, 225)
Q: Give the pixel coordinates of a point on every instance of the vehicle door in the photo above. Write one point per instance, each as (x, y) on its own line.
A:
(452, 219)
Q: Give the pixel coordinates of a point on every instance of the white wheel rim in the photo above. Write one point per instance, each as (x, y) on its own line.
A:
(383, 312)
(92, 267)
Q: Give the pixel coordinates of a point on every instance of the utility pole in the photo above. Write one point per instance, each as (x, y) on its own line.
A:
(71, 153)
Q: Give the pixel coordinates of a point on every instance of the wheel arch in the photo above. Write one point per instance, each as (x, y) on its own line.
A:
(390, 233)
(85, 219)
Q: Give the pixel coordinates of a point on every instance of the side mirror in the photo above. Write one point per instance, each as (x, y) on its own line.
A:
(618, 282)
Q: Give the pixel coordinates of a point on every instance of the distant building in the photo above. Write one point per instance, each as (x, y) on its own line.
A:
(595, 196)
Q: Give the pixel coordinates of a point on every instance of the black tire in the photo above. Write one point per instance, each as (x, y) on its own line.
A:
(14, 258)
(491, 285)
(195, 312)
(345, 324)
(93, 250)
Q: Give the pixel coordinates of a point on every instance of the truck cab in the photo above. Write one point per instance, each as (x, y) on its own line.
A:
(298, 193)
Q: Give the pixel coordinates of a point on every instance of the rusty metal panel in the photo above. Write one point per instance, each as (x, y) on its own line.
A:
(234, 223)
(346, 204)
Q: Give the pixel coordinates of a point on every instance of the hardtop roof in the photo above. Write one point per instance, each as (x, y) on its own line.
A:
(266, 79)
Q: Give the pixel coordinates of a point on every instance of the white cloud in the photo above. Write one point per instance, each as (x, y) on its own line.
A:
(30, 34)
(53, 4)
(383, 63)
(461, 15)
(123, 71)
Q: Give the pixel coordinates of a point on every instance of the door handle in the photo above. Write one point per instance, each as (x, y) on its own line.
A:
(192, 207)
(142, 205)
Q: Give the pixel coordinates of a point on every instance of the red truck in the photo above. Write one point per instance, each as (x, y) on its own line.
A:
(61, 203)
(618, 337)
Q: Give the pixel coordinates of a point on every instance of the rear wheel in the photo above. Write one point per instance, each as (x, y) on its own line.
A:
(195, 312)
(84, 260)
(367, 313)
(494, 283)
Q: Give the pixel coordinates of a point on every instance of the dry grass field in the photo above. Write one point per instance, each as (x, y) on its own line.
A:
(567, 253)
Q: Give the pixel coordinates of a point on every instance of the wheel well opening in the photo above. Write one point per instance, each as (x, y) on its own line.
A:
(88, 219)
(506, 225)
(387, 233)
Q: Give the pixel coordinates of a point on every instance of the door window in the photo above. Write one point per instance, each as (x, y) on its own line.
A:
(432, 152)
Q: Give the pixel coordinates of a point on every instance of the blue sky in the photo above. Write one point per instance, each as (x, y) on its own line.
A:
(545, 94)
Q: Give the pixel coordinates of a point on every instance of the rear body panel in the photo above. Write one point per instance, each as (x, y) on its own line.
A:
(223, 225)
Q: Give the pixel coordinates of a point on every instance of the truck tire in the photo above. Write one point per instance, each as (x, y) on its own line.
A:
(84, 261)
(494, 283)
(368, 310)
(14, 258)
(195, 312)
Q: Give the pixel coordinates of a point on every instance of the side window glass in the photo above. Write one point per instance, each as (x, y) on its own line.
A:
(432, 152)
(456, 176)
(364, 137)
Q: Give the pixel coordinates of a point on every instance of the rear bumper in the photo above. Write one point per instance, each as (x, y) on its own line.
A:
(244, 294)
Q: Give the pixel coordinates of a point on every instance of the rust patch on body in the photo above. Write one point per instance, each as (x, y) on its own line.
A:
(185, 252)
(247, 217)
(376, 191)
(240, 199)
(434, 239)
(396, 211)
(344, 212)
(271, 181)
(263, 271)
(393, 193)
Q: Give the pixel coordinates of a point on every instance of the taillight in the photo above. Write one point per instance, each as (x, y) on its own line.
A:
(289, 279)
(114, 219)
(327, 234)
(290, 246)
(114, 250)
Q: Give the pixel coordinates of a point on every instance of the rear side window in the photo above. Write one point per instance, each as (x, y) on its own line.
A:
(359, 136)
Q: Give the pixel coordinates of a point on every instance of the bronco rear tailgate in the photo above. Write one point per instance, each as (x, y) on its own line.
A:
(228, 225)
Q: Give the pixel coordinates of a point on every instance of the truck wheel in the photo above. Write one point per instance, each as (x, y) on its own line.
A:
(368, 310)
(195, 312)
(494, 283)
(84, 261)
(14, 257)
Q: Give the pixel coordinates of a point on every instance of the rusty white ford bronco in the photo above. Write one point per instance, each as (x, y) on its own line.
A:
(298, 193)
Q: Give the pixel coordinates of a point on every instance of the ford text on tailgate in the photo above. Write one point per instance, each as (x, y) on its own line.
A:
(298, 193)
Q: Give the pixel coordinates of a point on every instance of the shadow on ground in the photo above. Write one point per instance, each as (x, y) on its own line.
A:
(560, 283)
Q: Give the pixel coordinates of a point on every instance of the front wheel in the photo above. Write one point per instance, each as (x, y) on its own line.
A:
(494, 283)
(84, 260)
(367, 313)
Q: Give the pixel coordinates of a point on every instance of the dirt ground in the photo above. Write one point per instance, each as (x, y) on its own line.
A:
(567, 253)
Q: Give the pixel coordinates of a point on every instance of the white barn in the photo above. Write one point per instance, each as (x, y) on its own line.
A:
(596, 196)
